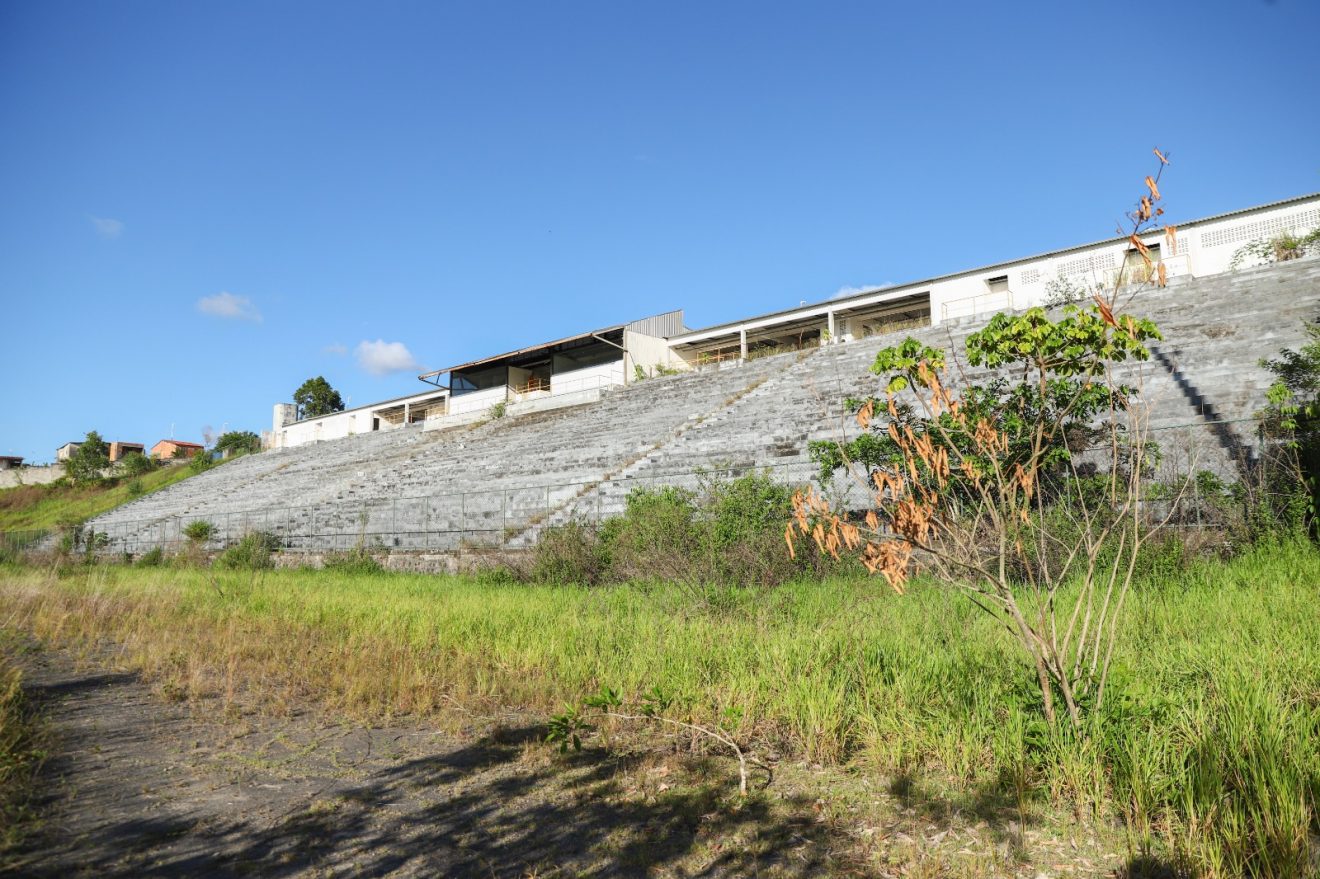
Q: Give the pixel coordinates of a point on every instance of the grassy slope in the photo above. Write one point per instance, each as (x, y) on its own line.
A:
(37, 507)
(1216, 688)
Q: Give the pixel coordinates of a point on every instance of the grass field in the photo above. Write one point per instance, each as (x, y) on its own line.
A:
(1208, 750)
(22, 751)
(40, 507)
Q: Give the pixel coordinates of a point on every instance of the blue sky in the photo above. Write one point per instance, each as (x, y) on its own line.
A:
(204, 204)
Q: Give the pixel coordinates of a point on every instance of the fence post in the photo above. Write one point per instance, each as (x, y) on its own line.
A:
(504, 516)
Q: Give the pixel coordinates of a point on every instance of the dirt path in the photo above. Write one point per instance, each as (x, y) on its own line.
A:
(140, 786)
(143, 787)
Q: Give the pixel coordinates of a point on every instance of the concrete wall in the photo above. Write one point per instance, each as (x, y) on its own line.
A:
(1202, 248)
(648, 352)
(31, 475)
(478, 401)
(338, 425)
(1206, 248)
(590, 378)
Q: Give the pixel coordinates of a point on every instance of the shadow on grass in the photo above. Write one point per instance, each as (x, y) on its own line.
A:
(483, 810)
(994, 803)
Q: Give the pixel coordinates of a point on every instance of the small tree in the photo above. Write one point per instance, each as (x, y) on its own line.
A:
(315, 397)
(137, 464)
(89, 461)
(1010, 491)
(237, 442)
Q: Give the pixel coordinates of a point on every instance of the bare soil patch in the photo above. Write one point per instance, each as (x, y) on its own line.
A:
(142, 786)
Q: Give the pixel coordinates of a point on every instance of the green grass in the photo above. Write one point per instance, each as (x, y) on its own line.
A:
(40, 507)
(1208, 749)
(21, 754)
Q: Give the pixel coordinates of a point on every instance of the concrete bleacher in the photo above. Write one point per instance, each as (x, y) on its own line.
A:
(503, 480)
(427, 489)
(1201, 388)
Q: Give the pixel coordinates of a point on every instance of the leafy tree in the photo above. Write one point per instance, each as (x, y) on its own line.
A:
(88, 461)
(237, 442)
(315, 397)
(986, 487)
(137, 464)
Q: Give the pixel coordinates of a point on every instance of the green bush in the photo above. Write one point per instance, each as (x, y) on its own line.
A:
(730, 533)
(135, 488)
(254, 552)
(198, 531)
(353, 561)
(152, 558)
(137, 464)
(568, 554)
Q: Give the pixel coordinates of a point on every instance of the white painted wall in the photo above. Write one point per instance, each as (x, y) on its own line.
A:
(339, 424)
(1202, 248)
(40, 475)
(478, 401)
(587, 379)
(648, 352)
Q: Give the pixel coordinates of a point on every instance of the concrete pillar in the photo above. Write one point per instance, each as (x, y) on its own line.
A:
(742, 344)
(407, 408)
(829, 326)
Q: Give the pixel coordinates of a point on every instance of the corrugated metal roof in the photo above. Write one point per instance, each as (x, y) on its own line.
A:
(659, 319)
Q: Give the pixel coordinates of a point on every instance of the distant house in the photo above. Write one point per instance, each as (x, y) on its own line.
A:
(166, 449)
(11, 462)
(119, 450)
(65, 452)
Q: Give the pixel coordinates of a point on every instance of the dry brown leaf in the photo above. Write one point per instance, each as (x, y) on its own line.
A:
(1106, 314)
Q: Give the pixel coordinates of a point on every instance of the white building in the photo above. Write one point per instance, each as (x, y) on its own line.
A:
(1202, 247)
(578, 368)
(567, 371)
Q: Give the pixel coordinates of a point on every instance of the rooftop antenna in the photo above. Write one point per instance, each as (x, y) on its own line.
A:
(171, 430)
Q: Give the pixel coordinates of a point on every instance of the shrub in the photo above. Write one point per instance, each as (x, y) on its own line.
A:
(568, 554)
(354, 561)
(135, 488)
(198, 531)
(238, 442)
(252, 553)
(728, 534)
(152, 558)
(137, 464)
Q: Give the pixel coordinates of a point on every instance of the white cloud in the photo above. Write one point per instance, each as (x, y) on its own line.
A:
(382, 358)
(336, 349)
(848, 290)
(229, 307)
(107, 227)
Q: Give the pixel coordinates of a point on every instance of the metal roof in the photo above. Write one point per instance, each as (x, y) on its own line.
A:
(529, 349)
(653, 321)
